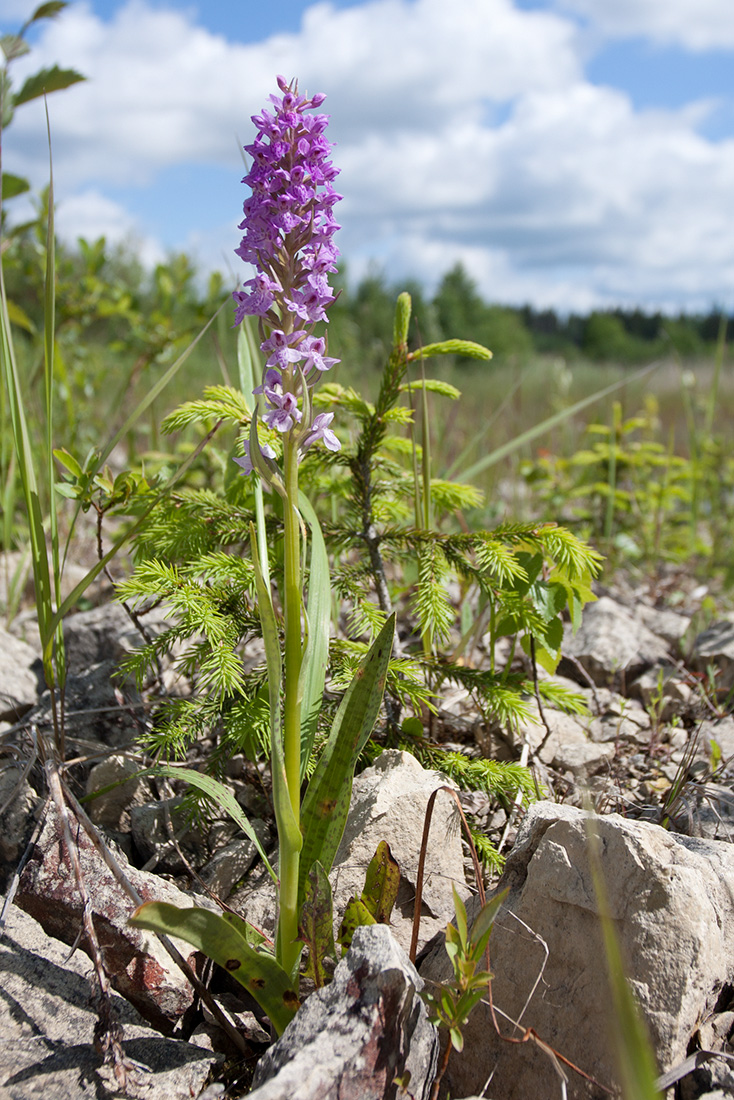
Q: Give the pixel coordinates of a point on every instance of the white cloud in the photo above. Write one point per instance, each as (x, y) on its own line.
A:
(92, 215)
(694, 24)
(573, 199)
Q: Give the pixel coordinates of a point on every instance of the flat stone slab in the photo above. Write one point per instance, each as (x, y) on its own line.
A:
(47, 1029)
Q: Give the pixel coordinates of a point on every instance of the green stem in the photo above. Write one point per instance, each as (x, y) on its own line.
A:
(289, 948)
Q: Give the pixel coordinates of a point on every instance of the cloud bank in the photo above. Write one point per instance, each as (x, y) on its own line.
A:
(465, 131)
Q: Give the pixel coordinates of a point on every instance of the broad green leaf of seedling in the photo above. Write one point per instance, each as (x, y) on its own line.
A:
(356, 914)
(381, 883)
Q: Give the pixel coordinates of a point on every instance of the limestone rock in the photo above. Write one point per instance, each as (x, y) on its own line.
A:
(46, 1051)
(20, 677)
(668, 625)
(351, 1039)
(569, 747)
(97, 708)
(91, 637)
(671, 899)
(705, 810)
(715, 645)
(388, 803)
(720, 730)
(611, 644)
(140, 969)
(230, 863)
(663, 689)
(112, 809)
(151, 824)
(16, 821)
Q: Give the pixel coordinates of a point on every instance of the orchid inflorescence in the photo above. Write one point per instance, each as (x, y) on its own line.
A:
(289, 227)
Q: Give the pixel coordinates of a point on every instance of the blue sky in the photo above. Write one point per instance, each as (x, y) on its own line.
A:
(571, 153)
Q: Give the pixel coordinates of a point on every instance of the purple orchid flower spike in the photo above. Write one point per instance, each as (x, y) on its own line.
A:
(289, 228)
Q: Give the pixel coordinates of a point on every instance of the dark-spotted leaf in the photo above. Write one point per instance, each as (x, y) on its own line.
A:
(316, 928)
(355, 915)
(223, 940)
(381, 883)
(326, 804)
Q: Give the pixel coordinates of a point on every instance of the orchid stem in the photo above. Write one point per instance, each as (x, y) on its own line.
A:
(289, 856)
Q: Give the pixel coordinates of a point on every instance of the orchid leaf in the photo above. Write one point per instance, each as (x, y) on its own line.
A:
(326, 805)
(356, 914)
(316, 925)
(222, 796)
(222, 938)
(381, 883)
(318, 617)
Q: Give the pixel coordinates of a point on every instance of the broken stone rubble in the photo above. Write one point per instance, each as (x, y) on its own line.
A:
(47, 1024)
(621, 725)
(140, 969)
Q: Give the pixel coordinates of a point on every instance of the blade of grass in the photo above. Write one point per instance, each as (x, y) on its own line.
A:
(635, 1059)
(540, 429)
(49, 339)
(29, 483)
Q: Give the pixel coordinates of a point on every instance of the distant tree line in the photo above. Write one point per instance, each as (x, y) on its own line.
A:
(364, 313)
(104, 294)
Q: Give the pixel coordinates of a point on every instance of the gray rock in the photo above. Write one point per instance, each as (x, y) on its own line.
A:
(569, 747)
(706, 810)
(722, 731)
(612, 645)
(228, 865)
(112, 809)
(140, 969)
(17, 802)
(715, 646)
(668, 625)
(672, 902)
(91, 637)
(664, 690)
(47, 1025)
(388, 803)
(151, 824)
(98, 708)
(21, 677)
(351, 1040)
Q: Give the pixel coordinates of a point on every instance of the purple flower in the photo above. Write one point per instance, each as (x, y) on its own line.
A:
(289, 227)
(314, 347)
(320, 430)
(283, 411)
(245, 461)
